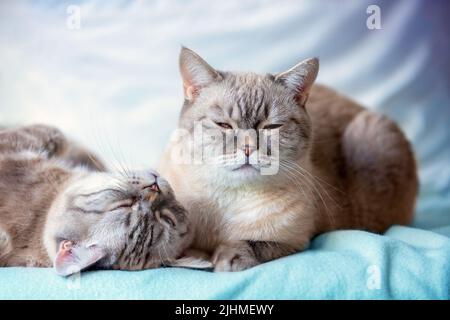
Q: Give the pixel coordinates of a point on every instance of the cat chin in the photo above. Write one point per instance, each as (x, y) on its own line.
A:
(242, 175)
(230, 177)
(246, 171)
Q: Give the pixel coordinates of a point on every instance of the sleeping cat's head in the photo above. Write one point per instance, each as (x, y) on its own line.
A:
(130, 222)
(234, 107)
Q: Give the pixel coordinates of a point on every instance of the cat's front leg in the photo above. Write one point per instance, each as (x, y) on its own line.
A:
(51, 141)
(241, 255)
(47, 138)
(234, 256)
(269, 250)
(55, 143)
(34, 137)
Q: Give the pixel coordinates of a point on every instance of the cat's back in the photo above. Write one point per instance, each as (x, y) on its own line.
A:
(330, 114)
(330, 111)
(366, 157)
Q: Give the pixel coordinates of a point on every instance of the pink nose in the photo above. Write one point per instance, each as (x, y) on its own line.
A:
(247, 151)
(154, 187)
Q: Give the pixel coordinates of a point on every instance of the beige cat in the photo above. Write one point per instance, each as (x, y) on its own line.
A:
(56, 209)
(340, 165)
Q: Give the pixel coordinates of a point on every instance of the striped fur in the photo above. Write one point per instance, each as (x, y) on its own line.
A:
(47, 198)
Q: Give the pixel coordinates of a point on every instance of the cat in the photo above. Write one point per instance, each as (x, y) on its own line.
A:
(59, 208)
(340, 166)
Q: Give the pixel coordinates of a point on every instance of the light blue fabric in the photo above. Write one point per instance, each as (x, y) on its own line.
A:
(405, 263)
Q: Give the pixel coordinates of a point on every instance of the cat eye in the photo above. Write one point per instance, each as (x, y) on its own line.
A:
(224, 125)
(166, 216)
(272, 126)
(170, 219)
(123, 205)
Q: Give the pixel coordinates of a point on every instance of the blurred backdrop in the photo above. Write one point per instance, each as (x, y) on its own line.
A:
(106, 72)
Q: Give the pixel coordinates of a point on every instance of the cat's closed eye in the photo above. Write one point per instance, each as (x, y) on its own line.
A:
(224, 125)
(272, 126)
(122, 205)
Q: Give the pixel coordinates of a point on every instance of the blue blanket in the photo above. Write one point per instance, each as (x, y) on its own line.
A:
(405, 263)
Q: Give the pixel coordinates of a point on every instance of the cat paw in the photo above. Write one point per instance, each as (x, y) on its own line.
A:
(51, 139)
(234, 256)
(55, 144)
(5, 244)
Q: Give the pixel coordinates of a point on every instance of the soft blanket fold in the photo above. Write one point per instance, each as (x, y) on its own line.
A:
(405, 263)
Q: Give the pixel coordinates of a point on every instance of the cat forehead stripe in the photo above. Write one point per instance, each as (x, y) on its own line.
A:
(99, 192)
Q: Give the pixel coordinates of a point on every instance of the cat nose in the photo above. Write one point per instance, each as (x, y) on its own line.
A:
(150, 192)
(248, 150)
(155, 187)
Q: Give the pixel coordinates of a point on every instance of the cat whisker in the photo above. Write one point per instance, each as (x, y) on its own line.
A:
(318, 178)
(293, 178)
(223, 160)
(314, 187)
(318, 183)
(117, 164)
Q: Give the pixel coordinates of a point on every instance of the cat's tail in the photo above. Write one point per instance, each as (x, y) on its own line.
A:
(382, 171)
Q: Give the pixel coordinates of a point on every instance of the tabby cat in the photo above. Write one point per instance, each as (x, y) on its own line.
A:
(57, 208)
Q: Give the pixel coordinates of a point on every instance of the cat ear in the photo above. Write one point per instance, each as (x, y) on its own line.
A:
(300, 78)
(195, 72)
(73, 258)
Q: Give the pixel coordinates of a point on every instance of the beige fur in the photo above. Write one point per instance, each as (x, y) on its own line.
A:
(354, 169)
